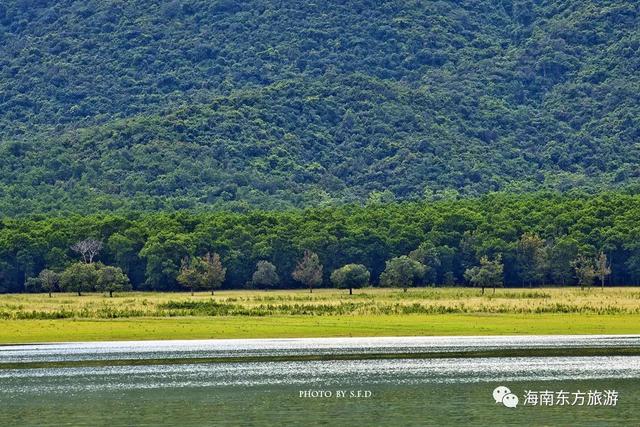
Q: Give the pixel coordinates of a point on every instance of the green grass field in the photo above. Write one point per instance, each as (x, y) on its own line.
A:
(330, 313)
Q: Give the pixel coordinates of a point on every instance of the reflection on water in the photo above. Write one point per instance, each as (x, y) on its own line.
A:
(416, 392)
(317, 373)
(303, 346)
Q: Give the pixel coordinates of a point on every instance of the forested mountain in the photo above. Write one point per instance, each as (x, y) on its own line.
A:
(151, 104)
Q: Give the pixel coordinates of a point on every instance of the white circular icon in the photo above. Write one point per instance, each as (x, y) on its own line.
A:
(510, 400)
(500, 392)
(503, 395)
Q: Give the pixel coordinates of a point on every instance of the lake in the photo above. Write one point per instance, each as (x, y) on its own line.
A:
(155, 383)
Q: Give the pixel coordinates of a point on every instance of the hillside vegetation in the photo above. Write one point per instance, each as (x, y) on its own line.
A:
(183, 104)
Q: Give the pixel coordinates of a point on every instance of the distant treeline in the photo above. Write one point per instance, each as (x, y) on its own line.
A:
(540, 239)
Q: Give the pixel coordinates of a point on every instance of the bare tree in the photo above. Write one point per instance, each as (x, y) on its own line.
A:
(585, 270)
(309, 270)
(603, 268)
(88, 248)
(214, 272)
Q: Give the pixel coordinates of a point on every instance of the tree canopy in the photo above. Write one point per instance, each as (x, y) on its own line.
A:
(351, 276)
(488, 273)
(111, 279)
(451, 236)
(402, 272)
(265, 275)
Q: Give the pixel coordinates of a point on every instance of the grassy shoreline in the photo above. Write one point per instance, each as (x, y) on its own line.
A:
(322, 302)
(325, 313)
(68, 330)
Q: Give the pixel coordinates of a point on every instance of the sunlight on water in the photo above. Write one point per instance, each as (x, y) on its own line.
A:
(302, 346)
(450, 391)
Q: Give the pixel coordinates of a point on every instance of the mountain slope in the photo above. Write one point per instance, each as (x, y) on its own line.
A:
(158, 105)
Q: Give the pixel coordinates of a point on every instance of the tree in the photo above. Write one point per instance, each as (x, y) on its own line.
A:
(309, 270)
(112, 279)
(351, 276)
(214, 273)
(401, 272)
(265, 275)
(88, 248)
(560, 256)
(633, 266)
(163, 252)
(531, 256)
(191, 275)
(377, 198)
(603, 268)
(49, 281)
(56, 258)
(79, 277)
(488, 273)
(32, 284)
(428, 255)
(125, 249)
(25, 262)
(585, 270)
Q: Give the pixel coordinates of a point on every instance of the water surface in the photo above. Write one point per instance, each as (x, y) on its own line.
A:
(392, 392)
(189, 349)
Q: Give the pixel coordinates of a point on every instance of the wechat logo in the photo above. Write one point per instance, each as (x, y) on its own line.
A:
(503, 395)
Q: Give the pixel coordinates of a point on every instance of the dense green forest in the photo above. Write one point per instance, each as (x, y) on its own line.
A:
(164, 105)
(539, 237)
